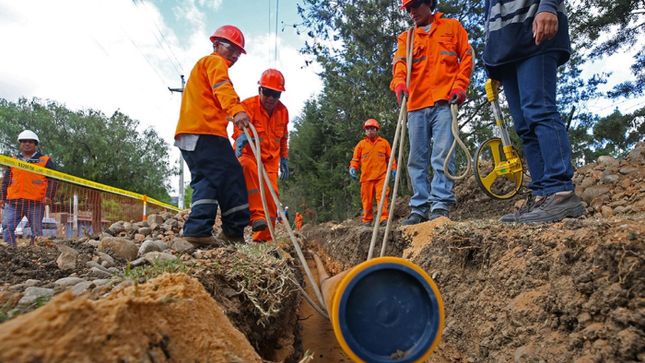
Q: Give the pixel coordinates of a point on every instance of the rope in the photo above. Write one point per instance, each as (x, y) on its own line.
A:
(263, 174)
(400, 128)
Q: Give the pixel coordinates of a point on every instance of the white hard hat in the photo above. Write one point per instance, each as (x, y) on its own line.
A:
(28, 135)
(286, 208)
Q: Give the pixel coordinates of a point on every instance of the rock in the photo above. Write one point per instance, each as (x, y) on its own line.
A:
(116, 228)
(34, 293)
(82, 287)
(627, 170)
(145, 231)
(100, 272)
(122, 247)
(609, 179)
(155, 218)
(66, 282)
(67, 259)
(596, 203)
(138, 262)
(153, 257)
(626, 183)
(593, 192)
(128, 226)
(180, 245)
(606, 211)
(104, 258)
(606, 160)
(152, 246)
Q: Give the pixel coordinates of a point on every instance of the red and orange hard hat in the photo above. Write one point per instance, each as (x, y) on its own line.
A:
(272, 79)
(371, 122)
(230, 33)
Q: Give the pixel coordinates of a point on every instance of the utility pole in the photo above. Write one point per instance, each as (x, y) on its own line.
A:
(180, 202)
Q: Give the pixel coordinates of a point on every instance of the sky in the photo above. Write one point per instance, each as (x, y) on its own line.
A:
(124, 54)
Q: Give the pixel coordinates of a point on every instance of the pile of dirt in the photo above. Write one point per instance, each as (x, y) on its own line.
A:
(572, 291)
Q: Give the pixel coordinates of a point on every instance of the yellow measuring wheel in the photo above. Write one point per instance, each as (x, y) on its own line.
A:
(498, 167)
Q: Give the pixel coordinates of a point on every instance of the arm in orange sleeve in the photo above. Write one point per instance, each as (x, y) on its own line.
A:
(466, 60)
(399, 67)
(284, 142)
(217, 71)
(356, 159)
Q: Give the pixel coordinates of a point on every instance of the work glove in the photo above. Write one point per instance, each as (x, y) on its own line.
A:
(401, 89)
(352, 173)
(393, 174)
(284, 168)
(240, 143)
(457, 96)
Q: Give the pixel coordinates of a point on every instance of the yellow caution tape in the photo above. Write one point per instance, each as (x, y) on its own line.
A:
(79, 181)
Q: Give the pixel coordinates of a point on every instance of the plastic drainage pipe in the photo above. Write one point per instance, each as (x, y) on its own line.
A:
(385, 309)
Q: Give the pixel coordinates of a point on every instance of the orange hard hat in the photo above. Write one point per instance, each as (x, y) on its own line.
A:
(407, 2)
(230, 33)
(371, 122)
(272, 79)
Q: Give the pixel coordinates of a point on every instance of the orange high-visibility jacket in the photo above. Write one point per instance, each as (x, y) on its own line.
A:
(373, 158)
(441, 61)
(27, 185)
(208, 98)
(272, 131)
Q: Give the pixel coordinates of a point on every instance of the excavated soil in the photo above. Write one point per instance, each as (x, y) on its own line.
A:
(572, 291)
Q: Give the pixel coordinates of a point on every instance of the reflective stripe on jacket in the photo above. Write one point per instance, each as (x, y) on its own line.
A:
(273, 132)
(208, 98)
(372, 157)
(26, 184)
(509, 32)
(441, 61)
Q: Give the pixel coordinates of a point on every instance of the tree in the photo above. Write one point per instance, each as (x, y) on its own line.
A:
(92, 146)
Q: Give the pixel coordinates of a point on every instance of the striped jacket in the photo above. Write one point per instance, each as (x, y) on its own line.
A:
(509, 32)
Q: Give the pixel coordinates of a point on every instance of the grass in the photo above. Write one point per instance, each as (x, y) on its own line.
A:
(144, 273)
(8, 312)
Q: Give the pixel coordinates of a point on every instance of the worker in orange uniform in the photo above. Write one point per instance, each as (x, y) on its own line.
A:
(372, 154)
(25, 193)
(217, 178)
(298, 221)
(270, 118)
(441, 66)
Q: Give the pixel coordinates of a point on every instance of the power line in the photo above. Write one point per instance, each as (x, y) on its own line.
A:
(162, 36)
(277, 4)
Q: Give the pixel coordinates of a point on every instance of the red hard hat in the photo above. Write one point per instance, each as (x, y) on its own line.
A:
(371, 122)
(230, 33)
(272, 79)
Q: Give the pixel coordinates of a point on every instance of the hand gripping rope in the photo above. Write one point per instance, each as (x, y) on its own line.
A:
(263, 174)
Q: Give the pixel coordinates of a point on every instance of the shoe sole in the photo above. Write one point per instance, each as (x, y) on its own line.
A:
(259, 227)
(574, 212)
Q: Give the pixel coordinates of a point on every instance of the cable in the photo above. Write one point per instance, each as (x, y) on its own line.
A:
(275, 59)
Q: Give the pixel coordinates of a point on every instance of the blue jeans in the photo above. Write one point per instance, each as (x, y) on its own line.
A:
(430, 123)
(14, 211)
(538, 122)
(217, 179)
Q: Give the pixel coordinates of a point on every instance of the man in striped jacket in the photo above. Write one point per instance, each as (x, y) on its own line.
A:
(526, 41)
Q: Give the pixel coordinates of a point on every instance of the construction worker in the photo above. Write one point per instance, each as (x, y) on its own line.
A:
(372, 154)
(216, 175)
(298, 221)
(26, 193)
(270, 118)
(527, 52)
(441, 67)
(286, 213)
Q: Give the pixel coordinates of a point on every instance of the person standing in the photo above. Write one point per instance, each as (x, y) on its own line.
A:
(270, 118)
(371, 155)
(441, 67)
(217, 178)
(26, 193)
(298, 221)
(527, 51)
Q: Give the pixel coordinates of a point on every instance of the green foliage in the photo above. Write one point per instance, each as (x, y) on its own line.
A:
(188, 196)
(144, 273)
(8, 312)
(90, 145)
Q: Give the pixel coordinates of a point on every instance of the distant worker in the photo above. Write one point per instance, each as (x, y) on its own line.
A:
(441, 66)
(270, 118)
(525, 55)
(216, 175)
(298, 221)
(372, 154)
(26, 193)
(286, 213)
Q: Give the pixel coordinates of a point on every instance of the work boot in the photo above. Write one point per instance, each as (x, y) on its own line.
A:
(439, 212)
(414, 218)
(367, 224)
(229, 240)
(553, 208)
(205, 241)
(259, 225)
(529, 204)
(383, 223)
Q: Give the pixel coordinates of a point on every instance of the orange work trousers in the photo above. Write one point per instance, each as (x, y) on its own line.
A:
(250, 168)
(298, 225)
(370, 189)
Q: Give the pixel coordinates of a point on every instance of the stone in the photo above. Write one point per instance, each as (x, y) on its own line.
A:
(122, 247)
(592, 192)
(66, 282)
(32, 294)
(153, 257)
